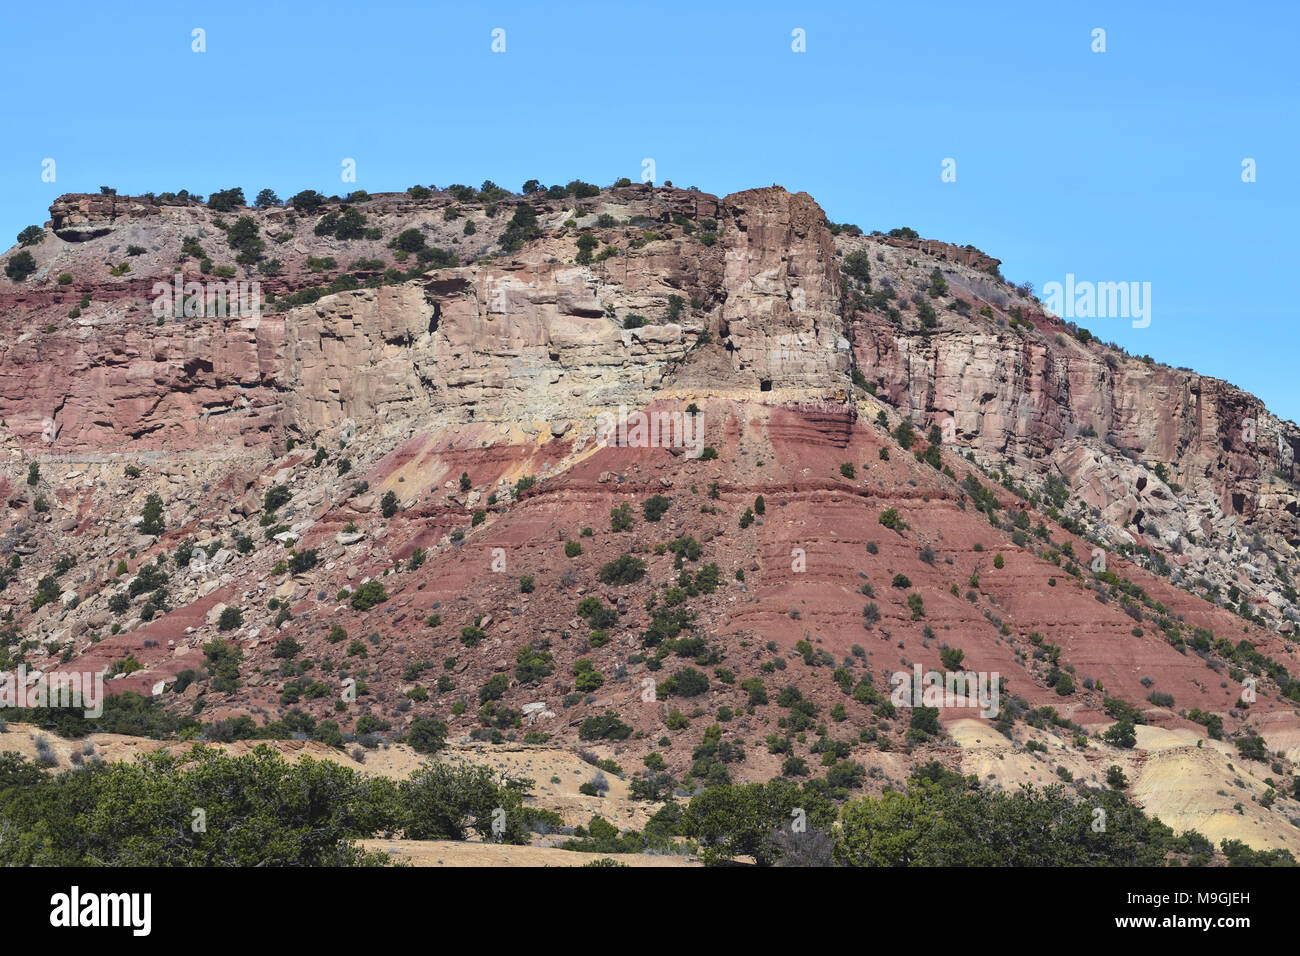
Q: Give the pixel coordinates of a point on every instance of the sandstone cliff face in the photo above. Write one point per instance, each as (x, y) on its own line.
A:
(1018, 395)
(782, 314)
(540, 340)
(484, 345)
(534, 339)
(121, 383)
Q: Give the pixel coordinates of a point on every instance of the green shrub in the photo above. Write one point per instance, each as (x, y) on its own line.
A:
(426, 735)
(303, 561)
(654, 508)
(687, 682)
(368, 595)
(532, 663)
(20, 266)
(307, 201)
(224, 200)
(626, 569)
(620, 518)
(891, 520)
(1252, 747)
(152, 516)
(521, 228)
(857, 266)
(605, 727)
(586, 678)
(1121, 734)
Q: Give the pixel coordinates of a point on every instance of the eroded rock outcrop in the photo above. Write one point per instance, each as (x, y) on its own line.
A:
(782, 314)
(77, 217)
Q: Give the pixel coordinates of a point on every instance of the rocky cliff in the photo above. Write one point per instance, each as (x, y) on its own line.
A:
(408, 404)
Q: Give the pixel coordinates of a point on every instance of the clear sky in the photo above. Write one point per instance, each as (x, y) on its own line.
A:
(1117, 166)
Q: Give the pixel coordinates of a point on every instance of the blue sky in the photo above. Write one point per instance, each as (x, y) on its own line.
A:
(1115, 166)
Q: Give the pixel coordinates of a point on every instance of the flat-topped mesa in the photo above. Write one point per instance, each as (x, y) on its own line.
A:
(424, 343)
(756, 307)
